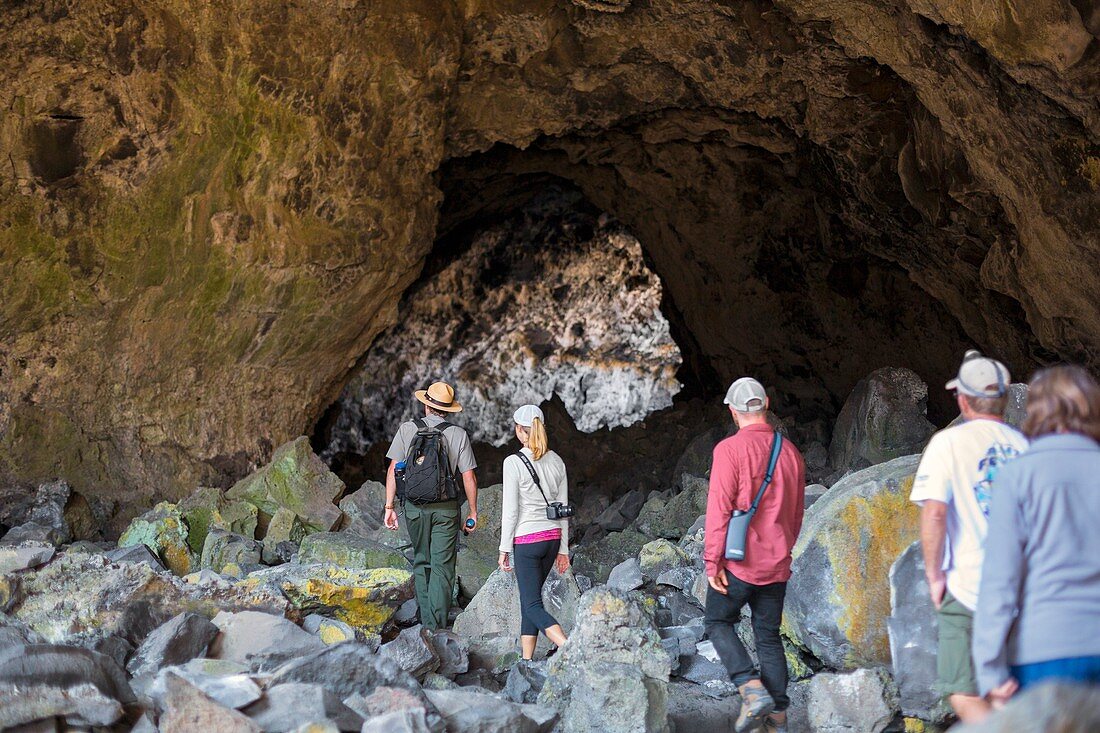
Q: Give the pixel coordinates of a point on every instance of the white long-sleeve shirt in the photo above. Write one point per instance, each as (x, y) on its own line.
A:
(524, 511)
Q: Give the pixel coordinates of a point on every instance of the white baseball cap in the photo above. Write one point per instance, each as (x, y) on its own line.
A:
(746, 395)
(980, 376)
(526, 415)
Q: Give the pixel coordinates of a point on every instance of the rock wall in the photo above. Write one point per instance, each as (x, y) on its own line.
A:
(555, 300)
(209, 210)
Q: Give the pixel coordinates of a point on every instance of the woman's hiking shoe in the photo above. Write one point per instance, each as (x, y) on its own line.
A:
(756, 703)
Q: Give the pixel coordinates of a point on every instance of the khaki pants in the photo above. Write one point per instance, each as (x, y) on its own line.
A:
(433, 532)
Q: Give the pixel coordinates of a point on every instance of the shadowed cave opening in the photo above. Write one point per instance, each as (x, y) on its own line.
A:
(780, 289)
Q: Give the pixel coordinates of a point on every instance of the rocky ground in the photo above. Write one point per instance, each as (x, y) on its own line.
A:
(283, 605)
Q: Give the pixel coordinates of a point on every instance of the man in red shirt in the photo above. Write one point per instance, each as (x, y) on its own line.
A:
(760, 580)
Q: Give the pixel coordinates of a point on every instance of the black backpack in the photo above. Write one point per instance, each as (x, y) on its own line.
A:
(427, 476)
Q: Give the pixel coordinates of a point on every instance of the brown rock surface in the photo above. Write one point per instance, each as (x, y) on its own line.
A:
(209, 210)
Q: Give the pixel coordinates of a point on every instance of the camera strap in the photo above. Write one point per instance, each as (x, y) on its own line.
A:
(534, 476)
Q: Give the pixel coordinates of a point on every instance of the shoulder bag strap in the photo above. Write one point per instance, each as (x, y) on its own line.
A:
(534, 476)
(777, 446)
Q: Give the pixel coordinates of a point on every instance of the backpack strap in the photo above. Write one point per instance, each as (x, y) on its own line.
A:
(777, 446)
(422, 425)
(534, 476)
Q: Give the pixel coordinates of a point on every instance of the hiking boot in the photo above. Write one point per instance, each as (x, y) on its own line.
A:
(778, 726)
(756, 703)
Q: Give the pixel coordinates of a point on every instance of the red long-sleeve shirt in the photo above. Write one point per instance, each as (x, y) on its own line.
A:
(736, 473)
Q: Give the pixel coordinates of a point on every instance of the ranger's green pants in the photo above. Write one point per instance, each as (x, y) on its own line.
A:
(433, 532)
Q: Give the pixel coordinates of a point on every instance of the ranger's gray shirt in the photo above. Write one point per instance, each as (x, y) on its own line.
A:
(1039, 598)
(459, 450)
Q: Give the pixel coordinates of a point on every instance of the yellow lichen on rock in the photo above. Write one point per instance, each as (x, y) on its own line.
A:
(364, 599)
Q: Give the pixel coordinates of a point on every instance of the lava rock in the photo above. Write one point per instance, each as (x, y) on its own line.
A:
(660, 556)
(1053, 706)
(409, 711)
(26, 555)
(525, 681)
(285, 707)
(468, 711)
(42, 516)
(207, 508)
(228, 553)
(838, 598)
(364, 599)
(695, 461)
(164, 532)
(251, 637)
(864, 700)
(598, 559)
(479, 551)
(32, 532)
(670, 518)
(363, 510)
(136, 554)
(179, 640)
(813, 493)
(399, 721)
(613, 674)
(681, 578)
(453, 652)
(349, 551)
(1015, 410)
(296, 480)
(698, 669)
(329, 630)
(913, 628)
(413, 651)
(622, 512)
(44, 680)
(188, 710)
(283, 536)
(224, 682)
(884, 418)
(627, 575)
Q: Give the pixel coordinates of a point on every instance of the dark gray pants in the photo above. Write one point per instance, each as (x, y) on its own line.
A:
(723, 615)
(532, 563)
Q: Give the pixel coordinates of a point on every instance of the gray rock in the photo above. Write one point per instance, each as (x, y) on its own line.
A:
(838, 598)
(39, 516)
(525, 681)
(622, 512)
(596, 560)
(349, 551)
(813, 493)
(412, 711)
(672, 646)
(453, 652)
(44, 680)
(696, 458)
(544, 718)
(318, 726)
(229, 553)
(226, 683)
(913, 627)
(627, 575)
(188, 710)
(249, 637)
(115, 647)
(413, 651)
(660, 556)
(285, 707)
(681, 578)
(685, 638)
(435, 681)
(671, 517)
(329, 630)
(612, 675)
(33, 532)
(180, 640)
(1015, 410)
(139, 554)
(698, 669)
(398, 721)
(407, 613)
(145, 724)
(467, 711)
(1061, 707)
(22, 556)
(884, 417)
(477, 559)
(864, 700)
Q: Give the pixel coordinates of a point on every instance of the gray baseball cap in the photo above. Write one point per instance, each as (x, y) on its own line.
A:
(746, 395)
(980, 376)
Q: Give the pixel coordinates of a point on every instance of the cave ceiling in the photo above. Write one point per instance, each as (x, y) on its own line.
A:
(208, 210)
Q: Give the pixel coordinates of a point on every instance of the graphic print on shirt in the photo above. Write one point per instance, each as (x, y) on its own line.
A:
(997, 455)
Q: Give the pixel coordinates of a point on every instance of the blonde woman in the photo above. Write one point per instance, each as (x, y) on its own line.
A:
(534, 481)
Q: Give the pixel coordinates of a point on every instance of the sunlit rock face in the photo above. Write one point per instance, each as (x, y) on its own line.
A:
(556, 299)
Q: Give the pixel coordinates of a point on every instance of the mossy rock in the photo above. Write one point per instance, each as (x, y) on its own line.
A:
(659, 556)
(671, 518)
(349, 551)
(598, 559)
(296, 480)
(838, 598)
(207, 508)
(227, 552)
(163, 530)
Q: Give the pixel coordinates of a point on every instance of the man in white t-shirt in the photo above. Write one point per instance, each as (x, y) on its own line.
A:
(953, 486)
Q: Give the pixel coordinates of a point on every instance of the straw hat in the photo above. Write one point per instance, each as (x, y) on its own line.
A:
(440, 396)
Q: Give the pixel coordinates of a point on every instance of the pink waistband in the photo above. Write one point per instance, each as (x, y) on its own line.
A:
(543, 536)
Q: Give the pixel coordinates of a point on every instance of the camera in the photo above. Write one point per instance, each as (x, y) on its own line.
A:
(557, 510)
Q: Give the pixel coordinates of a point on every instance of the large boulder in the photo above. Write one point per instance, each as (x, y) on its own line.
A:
(479, 550)
(491, 620)
(597, 559)
(913, 628)
(671, 517)
(864, 700)
(1061, 707)
(349, 551)
(163, 530)
(884, 417)
(413, 651)
(622, 511)
(229, 553)
(179, 640)
(838, 598)
(260, 639)
(188, 710)
(297, 480)
(39, 681)
(697, 456)
(207, 508)
(365, 599)
(612, 674)
(470, 711)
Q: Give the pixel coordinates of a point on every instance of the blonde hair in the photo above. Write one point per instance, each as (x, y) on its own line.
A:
(536, 438)
(1063, 399)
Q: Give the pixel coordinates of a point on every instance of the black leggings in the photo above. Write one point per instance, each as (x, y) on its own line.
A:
(532, 563)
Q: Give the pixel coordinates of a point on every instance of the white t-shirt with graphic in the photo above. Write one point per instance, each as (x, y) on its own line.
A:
(958, 468)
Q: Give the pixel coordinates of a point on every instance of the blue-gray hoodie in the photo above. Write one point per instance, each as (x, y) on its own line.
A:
(1039, 598)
